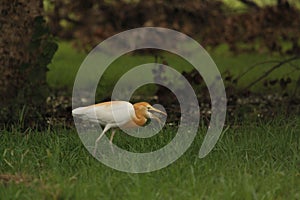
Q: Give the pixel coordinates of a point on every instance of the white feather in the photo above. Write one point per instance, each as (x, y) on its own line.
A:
(116, 113)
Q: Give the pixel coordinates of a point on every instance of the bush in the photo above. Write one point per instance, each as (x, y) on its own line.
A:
(269, 28)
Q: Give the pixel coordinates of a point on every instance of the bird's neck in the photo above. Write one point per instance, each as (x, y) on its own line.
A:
(135, 122)
(140, 120)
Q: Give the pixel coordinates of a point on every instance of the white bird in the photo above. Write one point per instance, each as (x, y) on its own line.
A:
(114, 114)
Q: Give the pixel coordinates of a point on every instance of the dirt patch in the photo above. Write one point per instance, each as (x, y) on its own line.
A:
(16, 179)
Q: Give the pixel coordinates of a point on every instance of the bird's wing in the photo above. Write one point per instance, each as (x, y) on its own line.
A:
(113, 112)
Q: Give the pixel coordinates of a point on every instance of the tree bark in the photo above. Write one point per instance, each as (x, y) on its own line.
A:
(23, 61)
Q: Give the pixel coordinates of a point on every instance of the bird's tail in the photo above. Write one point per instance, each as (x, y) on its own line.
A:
(85, 113)
(79, 111)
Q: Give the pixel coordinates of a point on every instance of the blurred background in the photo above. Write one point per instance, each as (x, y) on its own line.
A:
(256, 47)
(254, 43)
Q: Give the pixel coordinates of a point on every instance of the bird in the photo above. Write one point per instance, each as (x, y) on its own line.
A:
(117, 114)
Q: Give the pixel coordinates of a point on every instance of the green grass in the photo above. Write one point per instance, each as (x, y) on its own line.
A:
(64, 66)
(67, 61)
(257, 160)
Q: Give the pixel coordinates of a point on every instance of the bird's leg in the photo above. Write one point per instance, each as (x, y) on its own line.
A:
(106, 128)
(111, 139)
(112, 136)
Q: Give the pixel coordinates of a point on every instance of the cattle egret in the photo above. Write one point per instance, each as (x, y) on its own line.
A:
(114, 114)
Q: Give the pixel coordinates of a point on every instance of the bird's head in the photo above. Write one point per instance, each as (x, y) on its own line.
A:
(145, 109)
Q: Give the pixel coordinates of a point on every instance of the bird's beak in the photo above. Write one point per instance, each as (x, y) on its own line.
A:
(158, 111)
(155, 117)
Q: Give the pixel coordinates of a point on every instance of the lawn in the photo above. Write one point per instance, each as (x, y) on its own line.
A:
(252, 160)
(67, 60)
(256, 160)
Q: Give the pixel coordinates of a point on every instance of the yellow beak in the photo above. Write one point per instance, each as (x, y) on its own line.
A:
(155, 117)
(158, 111)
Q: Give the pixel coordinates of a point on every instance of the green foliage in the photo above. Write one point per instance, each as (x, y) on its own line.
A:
(255, 160)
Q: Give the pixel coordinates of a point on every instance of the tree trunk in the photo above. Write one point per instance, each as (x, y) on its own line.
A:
(25, 51)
